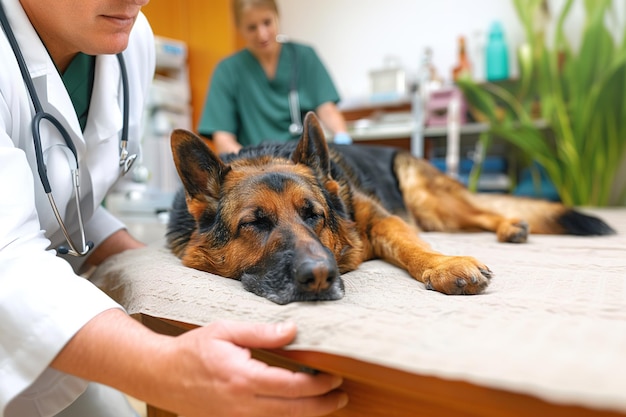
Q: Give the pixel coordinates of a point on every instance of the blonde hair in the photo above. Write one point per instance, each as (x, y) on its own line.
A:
(239, 7)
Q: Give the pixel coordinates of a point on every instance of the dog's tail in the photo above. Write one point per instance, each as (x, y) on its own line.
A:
(544, 217)
(576, 223)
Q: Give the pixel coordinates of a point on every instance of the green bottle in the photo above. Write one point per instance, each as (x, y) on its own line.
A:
(496, 54)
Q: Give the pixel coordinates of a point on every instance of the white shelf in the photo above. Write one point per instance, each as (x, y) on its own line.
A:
(385, 130)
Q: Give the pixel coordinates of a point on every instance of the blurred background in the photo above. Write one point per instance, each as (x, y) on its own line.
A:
(394, 64)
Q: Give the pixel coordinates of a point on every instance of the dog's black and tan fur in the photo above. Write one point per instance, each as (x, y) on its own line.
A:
(288, 219)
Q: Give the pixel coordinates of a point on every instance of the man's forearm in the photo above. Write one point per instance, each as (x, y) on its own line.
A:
(115, 350)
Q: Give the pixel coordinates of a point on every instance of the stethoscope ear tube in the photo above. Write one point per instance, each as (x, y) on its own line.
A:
(126, 161)
(41, 166)
(39, 113)
(87, 245)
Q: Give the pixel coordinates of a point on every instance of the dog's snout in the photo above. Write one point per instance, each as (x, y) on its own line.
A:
(316, 275)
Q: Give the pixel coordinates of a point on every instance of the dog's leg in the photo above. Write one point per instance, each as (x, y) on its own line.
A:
(390, 238)
(440, 203)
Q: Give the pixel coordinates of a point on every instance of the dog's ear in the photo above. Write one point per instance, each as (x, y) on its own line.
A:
(199, 169)
(312, 149)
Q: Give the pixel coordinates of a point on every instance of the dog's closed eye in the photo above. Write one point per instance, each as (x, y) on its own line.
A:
(257, 221)
(312, 213)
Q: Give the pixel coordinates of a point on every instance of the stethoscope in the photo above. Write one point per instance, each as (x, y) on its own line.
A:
(126, 160)
(295, 128)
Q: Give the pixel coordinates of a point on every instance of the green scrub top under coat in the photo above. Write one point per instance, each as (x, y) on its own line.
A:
(78, 79)
(244, 102)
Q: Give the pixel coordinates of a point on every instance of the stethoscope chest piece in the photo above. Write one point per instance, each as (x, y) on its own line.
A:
(295, 129)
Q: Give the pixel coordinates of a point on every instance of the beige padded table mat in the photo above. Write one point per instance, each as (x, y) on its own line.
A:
(552, 324)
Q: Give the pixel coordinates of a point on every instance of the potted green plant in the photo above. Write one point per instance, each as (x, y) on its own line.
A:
(581, 96)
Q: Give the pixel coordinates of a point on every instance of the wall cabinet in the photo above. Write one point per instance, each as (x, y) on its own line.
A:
(209, 32)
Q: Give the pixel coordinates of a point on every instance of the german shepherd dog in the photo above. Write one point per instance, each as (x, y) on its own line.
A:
(287, 219)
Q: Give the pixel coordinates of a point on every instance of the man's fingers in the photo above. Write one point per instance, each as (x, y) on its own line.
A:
(279, 382)
(308, 406)
(278, 391)
(255, 335)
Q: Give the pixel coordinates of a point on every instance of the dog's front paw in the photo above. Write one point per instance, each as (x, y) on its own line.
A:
(457, 275)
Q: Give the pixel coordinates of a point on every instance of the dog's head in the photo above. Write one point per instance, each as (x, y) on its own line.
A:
(279, 224)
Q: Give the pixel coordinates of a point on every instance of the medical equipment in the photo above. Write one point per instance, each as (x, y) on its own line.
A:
(295, 128)
(126, 159)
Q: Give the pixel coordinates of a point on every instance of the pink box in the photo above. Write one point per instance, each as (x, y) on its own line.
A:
(437, 106)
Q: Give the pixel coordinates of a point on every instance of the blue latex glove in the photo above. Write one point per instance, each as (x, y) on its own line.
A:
(342, 138)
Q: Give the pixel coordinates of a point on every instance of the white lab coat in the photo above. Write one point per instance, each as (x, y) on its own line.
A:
(43, 303)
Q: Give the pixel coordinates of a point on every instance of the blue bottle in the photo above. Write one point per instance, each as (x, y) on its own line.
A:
(496, 54)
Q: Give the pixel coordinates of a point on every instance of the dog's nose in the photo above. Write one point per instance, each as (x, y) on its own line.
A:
(315, 275)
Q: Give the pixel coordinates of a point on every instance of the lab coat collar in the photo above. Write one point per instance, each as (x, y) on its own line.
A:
(43, 72)
(105, 114)
(33, 50)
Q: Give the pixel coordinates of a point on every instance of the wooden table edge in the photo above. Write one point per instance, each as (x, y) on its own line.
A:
(418, 393)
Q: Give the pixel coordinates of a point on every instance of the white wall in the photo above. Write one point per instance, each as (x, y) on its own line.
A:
(355, 36)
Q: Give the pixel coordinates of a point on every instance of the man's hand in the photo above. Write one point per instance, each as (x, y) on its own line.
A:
(207, 371)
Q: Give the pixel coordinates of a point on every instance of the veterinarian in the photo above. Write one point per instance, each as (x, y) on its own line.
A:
(262, 92)
(58, 332)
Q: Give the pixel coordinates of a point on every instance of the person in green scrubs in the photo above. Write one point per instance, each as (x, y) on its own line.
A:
(248, 99)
